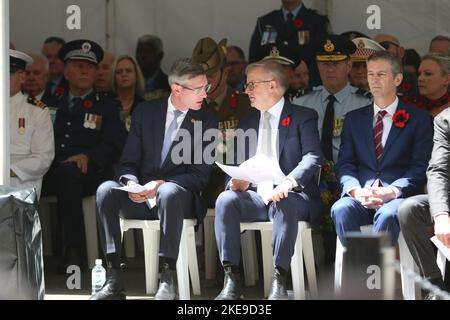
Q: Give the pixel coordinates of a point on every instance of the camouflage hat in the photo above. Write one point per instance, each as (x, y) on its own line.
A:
(210, 55)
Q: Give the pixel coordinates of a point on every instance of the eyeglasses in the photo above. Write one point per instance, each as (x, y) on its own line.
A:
(198, 90)
(386, 44)
(251, 85)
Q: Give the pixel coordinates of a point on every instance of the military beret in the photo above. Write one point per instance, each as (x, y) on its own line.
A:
(81, 50)
(209, 54)
(334, 48)
(365, 48)
(18, 60)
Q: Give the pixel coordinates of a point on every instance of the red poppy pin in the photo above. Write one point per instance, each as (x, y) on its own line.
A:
(298, 23)
(400, 118)
(286, 121)
(87, 104)
(406, 87)
(59, 90)
(233, 101)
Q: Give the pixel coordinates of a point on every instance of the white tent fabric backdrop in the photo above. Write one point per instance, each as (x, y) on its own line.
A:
(180, 23)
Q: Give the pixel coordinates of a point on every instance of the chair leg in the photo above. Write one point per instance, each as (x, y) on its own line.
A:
(151, 248)
(192, 260)
(249, 258)
(298, 277)
(267, 257)
(308, 254)
(210, 246)
(129, 245)
(90, 226)
(182, 269)
(338, 266)
(409, 290)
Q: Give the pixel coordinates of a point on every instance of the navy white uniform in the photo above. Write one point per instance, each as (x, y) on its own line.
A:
(32, 144)
(347, 99)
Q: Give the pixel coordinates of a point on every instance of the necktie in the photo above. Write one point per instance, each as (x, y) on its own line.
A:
(378, 134)
(266, 141)
(327, 129)
(76, 101)
(170, 135)
(290, 28)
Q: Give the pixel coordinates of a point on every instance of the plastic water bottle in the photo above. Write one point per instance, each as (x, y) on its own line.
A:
(98, 276)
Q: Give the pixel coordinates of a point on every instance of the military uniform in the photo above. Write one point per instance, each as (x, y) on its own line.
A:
(229, 107)
(233, 107)
(272, 28)
(88, 125)
(32, 143)
(348, 99)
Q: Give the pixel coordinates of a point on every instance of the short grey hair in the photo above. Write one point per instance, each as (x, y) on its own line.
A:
(392, 59)
(443, 61)
(273, 69)
(37, 56)
(153, 40)
(184, 69)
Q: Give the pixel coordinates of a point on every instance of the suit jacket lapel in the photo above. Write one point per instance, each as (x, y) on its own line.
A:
(366, 131)
(159, 125)
(283, 129)
(393, 133)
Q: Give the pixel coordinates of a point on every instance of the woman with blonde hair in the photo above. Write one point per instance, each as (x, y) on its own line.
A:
(127, 83)
(434, 81)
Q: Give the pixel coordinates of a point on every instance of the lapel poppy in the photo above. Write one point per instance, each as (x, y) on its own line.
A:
(87, 104)
(298, 23)
(286, 121)
(400, 118)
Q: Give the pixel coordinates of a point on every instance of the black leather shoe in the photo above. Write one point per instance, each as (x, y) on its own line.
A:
(167, 286)
(278, 287)
(231, 285)
(112, 289)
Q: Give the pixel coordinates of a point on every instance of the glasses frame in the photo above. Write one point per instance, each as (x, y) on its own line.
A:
(251, 85)
(388, 43)
(199, 90)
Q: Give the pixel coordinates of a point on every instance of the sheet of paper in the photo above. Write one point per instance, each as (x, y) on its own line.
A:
(256, 169)
(134, 188)
(441, 247)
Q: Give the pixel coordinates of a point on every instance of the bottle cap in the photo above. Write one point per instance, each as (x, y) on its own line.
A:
(98, 261)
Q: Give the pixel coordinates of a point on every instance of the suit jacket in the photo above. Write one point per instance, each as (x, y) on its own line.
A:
(439, 170)
(300, 154)
(405, 155)
(141, 157)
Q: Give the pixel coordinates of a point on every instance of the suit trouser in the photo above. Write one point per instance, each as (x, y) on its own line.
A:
(70, 185)
(234, 207)
(414, 217)
(173, 204)
(349, 214)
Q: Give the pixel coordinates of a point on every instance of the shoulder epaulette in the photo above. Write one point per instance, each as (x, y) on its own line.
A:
(36, 102)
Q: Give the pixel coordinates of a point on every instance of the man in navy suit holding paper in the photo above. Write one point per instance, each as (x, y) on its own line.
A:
(148, 160)
(288, 134)
(384, 153)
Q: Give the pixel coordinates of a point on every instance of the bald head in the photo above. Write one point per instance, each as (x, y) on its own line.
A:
(391, 44)
(104, 72)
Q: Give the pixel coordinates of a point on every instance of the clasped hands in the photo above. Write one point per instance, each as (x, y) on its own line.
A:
(279, 193)
(373, 197)
(150, 193)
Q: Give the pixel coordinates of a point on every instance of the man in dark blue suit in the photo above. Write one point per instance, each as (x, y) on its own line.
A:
(149, 158)
(293, 26)
(385, 148)
(294, 144)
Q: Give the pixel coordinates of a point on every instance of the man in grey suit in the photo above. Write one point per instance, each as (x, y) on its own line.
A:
(418, 213)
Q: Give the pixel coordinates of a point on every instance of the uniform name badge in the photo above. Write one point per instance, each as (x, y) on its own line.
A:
(21, 127)
(303, 37)
(337, 127)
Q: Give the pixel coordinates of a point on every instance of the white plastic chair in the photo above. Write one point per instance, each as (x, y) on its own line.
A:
(303, 250)
(409, 289)
(90, 226)
(187, 258)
